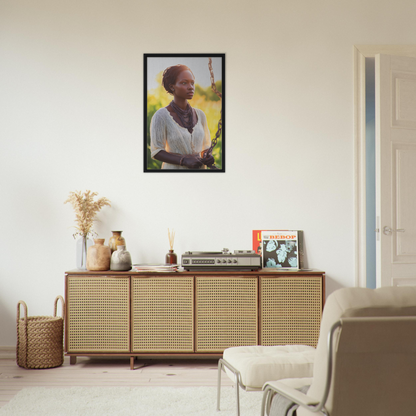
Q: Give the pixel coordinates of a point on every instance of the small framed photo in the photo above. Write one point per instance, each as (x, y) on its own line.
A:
(184, 112)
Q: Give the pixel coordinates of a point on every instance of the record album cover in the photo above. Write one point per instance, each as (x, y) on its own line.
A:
(279, 248)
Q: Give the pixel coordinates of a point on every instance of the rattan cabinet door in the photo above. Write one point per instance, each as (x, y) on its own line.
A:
(98, 314)
(290, 310)
(226, 312)
(162, 314)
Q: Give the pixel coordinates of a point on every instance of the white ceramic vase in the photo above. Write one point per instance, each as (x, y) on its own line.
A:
(121, 259)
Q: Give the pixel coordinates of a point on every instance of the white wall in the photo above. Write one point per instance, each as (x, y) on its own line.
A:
(71, 75)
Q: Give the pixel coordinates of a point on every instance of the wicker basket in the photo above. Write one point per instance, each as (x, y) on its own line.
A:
(40, 338)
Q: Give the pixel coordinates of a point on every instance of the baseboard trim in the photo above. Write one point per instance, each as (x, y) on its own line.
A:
(7, 352)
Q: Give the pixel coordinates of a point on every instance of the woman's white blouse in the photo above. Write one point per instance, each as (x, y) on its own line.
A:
(166, 134)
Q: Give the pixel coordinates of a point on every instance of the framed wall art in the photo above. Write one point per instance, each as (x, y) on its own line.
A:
(184, 112)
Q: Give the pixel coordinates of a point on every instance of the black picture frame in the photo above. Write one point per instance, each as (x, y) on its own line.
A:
(205, 98)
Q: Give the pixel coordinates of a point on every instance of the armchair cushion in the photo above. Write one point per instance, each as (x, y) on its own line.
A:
(258, 364)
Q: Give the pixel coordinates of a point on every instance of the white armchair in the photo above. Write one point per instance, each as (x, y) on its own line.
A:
(365, 363)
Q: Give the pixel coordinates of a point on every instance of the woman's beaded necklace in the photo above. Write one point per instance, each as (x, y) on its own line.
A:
(185, 116)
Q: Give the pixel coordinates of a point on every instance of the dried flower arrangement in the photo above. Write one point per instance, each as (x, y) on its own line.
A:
(85, 210)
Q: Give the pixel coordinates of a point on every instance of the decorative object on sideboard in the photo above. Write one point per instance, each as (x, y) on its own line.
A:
(116, 240)
(98, 256)
(82, 246)
(242, 260)
(280, 248)
(86, 210)
(120, 259)
(40, 338)
(171, 257)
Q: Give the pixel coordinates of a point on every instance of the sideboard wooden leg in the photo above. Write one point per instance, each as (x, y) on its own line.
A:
(72, 359)
(131, 363)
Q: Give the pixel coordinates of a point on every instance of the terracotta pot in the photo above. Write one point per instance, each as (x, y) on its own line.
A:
(98, 256)
(116, 240)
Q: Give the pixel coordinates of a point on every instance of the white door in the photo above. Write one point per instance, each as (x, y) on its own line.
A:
(396, 170)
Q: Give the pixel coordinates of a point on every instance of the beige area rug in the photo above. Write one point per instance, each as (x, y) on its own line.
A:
(130, 401)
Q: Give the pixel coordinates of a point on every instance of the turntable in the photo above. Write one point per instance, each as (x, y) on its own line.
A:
(240, 260)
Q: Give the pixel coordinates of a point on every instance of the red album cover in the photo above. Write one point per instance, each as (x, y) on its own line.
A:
(257, 241)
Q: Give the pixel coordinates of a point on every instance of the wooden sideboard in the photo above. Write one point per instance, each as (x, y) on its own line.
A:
(136, 314)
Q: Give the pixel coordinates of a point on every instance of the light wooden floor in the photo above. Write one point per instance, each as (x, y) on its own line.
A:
(109, 372)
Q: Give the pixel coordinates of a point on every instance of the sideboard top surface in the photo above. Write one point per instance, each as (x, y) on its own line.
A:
(262, 272)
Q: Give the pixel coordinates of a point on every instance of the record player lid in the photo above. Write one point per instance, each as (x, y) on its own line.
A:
(204, 252)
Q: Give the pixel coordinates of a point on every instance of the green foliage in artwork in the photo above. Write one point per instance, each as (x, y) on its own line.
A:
(204, 99)
(208, 93)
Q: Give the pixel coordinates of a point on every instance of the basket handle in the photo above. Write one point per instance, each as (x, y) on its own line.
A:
(24, 340)
(56, 305)
(21, 302)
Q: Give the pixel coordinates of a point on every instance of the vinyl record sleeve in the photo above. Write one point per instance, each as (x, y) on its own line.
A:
(279, 248)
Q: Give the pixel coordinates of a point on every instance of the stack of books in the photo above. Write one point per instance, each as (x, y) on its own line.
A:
(155, 267)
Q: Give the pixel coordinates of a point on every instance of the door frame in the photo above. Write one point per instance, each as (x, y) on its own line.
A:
(360, 53)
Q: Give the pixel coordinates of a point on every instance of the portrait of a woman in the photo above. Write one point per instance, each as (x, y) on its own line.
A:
(179, 134)
(184, 112)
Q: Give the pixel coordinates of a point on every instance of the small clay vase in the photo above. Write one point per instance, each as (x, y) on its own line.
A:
(116, 240)
(171, 258)
(121, 259)
(98, 256)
